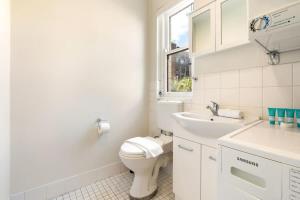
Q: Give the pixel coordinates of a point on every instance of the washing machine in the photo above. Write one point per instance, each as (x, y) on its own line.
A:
(259, 162)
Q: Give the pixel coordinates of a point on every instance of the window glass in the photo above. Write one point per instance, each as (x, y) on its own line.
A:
(179, 28)
(179, 72)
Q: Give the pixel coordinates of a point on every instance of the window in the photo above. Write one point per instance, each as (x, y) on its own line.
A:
(174, 63)
(179, 28)
(179, 72)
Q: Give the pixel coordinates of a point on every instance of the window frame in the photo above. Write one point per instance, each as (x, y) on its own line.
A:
(164, 50)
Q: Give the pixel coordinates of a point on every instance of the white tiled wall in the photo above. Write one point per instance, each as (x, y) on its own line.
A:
(251, 90)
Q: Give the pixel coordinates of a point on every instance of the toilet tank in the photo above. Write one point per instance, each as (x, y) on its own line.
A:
(165, 109)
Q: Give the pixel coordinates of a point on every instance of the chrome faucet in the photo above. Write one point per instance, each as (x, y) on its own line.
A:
(214, 108)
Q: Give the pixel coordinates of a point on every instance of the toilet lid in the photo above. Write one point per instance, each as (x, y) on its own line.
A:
(131, 150)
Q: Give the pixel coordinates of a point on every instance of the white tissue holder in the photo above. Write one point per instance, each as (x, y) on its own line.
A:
(102, 126)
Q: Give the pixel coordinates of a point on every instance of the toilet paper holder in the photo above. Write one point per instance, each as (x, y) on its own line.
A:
(103, 126)
(99, 120)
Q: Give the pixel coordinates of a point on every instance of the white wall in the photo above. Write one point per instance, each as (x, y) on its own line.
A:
(228, 66)
(4, 98)
(72, 62)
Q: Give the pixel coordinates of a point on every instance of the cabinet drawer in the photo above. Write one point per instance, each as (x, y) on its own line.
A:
(186, 169)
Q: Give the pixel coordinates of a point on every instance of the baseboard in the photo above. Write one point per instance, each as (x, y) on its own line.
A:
(59, 187)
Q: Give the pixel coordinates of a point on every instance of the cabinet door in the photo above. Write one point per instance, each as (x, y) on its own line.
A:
(209, 173)
(186, 169)
(231, 23)
(202, 31)
(201, 3)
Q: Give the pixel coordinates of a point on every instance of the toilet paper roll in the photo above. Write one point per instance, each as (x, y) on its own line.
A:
(103, 127)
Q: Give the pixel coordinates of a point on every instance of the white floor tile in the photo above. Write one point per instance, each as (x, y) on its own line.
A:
(117, 188)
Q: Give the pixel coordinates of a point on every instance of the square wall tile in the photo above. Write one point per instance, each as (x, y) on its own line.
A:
(251, 77)
(212, 81)
(229, 97)
(265, 113)
(296, 97)
(278, 97)
(199, 84)
(278, 75)
(197, 108)
(230, 79)
(198, 97)
(251, 97)
(188, 107)
(211, 95)
(252, 112)
(296, 73)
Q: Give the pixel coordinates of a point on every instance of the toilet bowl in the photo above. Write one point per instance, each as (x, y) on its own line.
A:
(145, 170)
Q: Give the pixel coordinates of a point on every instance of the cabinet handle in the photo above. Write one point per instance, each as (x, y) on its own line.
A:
(185, 148)
(212, 158)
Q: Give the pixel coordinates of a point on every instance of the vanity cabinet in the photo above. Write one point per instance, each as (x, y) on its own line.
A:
(186, 169)
(194, 170)
(219, 25)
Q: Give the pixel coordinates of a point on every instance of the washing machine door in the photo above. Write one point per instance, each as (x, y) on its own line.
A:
(247, 177)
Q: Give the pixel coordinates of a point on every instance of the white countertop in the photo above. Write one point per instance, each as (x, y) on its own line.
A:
(262, 139)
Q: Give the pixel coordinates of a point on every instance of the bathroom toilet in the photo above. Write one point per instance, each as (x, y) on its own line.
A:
(146, 170)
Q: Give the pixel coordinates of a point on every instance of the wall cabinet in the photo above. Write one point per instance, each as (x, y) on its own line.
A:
(220, 25)
(194, 170)
(217, 25)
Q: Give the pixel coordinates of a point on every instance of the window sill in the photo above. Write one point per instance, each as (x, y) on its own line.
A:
(176, 96)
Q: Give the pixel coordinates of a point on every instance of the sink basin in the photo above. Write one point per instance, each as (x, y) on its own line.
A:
(207, 126)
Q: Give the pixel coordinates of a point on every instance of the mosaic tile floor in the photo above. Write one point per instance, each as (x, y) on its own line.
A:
(117, 188)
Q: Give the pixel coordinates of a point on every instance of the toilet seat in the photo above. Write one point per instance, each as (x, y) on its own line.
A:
(131, 151)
